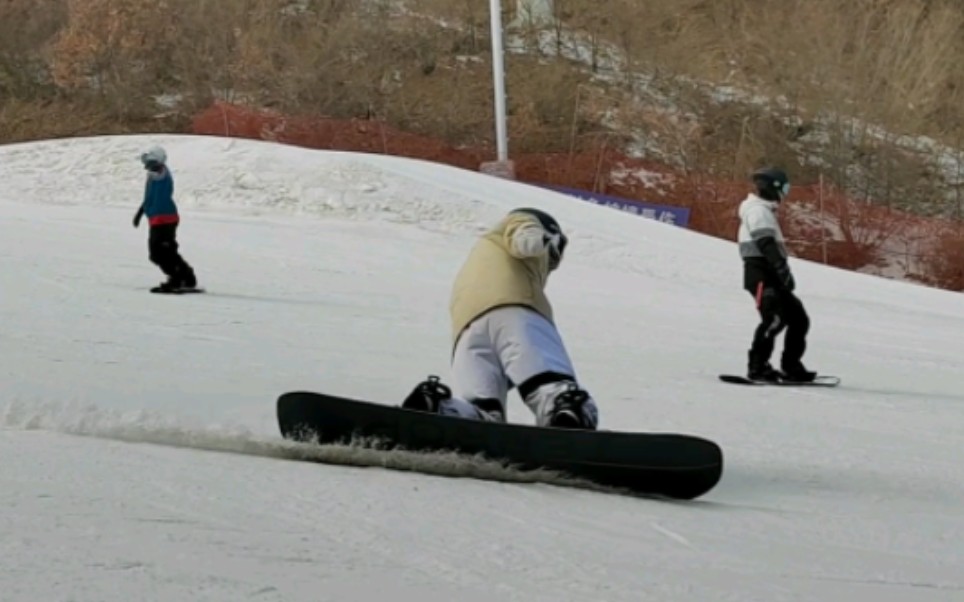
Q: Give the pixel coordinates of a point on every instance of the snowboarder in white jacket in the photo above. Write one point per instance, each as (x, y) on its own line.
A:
(503, 334)
(767, 277)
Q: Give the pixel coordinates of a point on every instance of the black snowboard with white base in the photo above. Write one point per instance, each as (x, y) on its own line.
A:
(183, 290)
(670, 465)
(818, 381)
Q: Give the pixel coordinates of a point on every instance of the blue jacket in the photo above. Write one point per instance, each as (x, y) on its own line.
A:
(158, 205)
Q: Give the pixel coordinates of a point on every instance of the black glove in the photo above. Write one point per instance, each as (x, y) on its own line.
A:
(768, 246)
(137, 217)
(786, 278)
(556, 245)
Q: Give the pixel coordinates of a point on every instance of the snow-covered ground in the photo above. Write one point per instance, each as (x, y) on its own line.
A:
(330, 271)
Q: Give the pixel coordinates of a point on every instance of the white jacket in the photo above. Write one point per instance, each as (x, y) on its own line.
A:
(758, 220)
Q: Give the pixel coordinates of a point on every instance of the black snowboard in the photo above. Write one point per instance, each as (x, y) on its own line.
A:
(660, 464)
(820, 381)
(179, 291)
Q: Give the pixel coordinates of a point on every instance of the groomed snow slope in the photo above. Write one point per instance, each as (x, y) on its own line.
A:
(331, 271)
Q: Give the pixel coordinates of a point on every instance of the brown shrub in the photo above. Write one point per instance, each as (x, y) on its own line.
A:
(23, 120)
(944, 260)
(865, 228)
(359, 135)
(25, 27)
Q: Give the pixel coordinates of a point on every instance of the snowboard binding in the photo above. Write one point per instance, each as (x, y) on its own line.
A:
(427, 396)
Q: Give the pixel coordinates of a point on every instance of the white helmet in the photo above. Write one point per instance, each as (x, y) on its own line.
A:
(155, 154)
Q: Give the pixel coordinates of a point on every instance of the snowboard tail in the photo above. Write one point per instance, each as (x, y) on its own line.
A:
(661, 464)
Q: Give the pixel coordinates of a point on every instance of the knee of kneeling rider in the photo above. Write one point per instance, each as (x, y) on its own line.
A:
(491, 406)
(533, 383)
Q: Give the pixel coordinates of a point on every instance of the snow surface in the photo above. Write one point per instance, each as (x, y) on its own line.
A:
(330, 271)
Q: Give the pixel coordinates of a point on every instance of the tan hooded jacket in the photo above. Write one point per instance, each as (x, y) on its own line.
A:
(509, 265)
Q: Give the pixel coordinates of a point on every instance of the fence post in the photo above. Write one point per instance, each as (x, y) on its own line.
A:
(823, 220)
(224, 117)
(572, 132)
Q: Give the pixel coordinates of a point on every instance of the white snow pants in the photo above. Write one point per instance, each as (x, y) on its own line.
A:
(509, 344)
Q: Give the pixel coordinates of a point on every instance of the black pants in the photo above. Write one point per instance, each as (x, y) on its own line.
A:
(162, 246)
(779, 310)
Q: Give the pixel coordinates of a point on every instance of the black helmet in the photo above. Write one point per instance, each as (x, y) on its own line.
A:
(550, 224)
(772, 184)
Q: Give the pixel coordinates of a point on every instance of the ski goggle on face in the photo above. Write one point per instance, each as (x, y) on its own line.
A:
(784, 190)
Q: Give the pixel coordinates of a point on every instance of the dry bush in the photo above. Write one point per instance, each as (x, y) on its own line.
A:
(204, 63)
(900, 60)
(129, 51)
(866, 230)
(874, 168)
(117, 50)
(551, 108)
(109, 41)
(385, 64)
(26, 120)
(25, 27)
(414, 73)
(944, 265)
(894, 61)
(460, 12)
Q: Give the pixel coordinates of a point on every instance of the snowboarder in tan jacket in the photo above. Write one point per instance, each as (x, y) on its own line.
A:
(503, 333)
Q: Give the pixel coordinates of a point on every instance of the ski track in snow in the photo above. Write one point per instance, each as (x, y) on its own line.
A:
(330, 271)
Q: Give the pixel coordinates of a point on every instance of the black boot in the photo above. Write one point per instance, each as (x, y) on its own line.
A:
(567, 410)
(188, 279)
(427, 396)
(169, 286)
(796, 372)
(759, 369)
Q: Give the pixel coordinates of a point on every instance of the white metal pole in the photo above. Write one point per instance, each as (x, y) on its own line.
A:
(498, 77)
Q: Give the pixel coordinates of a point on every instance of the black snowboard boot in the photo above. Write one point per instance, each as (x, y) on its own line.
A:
(762, 371)
(188, 279)
(169, 286)
(797, 373)
(427, 396)
(567, 411)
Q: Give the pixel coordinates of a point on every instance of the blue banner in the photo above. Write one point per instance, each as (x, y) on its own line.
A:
(668, 214)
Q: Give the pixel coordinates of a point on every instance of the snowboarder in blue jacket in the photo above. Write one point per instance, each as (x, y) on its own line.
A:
(163, 219)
